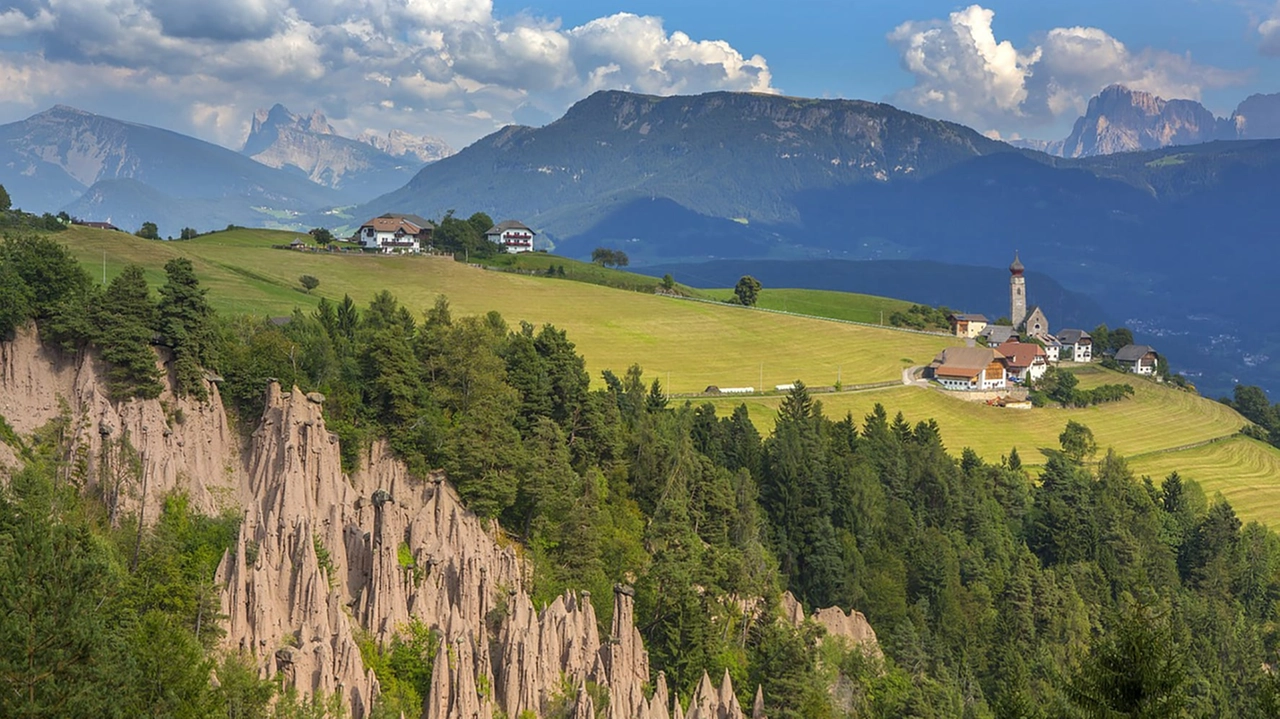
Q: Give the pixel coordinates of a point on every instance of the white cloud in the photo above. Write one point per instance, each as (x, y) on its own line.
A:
(448, 67)
(1269, 29)
(964, 73)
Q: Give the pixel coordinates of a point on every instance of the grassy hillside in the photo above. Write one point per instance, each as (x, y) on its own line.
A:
(1152, 429)
(579, 271)
(692, 344)
(696, 344)
(1155, 418)
(824, 303)
(1245, 471)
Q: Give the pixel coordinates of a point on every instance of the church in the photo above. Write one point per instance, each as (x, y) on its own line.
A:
(1031, 323)
(1034, 324)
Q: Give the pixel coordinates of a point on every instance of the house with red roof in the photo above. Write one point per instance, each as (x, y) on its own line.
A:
(1024, 361)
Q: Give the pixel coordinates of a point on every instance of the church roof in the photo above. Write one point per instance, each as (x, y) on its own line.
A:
(1016, 268)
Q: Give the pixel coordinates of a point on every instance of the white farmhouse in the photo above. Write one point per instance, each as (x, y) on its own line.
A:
(511, 236)
(970, 368)
(1080, 344)
(395, 234)
(1138, 359)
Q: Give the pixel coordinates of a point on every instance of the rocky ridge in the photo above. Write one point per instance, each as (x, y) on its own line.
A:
(323, 557)
(309, 145)
(1119, 119)
(177, 443)
(1124, 120)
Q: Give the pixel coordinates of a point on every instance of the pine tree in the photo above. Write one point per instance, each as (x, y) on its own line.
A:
(55, 641)
(125, 322)
(185, 327)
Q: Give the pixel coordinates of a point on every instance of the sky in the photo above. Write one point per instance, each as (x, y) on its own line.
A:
(460, 69)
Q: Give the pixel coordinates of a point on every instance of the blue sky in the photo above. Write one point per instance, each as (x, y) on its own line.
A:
(462, 68)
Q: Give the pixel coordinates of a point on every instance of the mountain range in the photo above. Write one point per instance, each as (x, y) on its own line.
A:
(1123, 120)
(1174, 242)
(364, 167)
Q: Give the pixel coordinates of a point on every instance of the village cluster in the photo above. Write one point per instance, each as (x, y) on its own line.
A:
(1022, 351)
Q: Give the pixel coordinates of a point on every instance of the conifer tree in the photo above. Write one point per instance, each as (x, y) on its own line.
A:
(125, 321)
(185, 327)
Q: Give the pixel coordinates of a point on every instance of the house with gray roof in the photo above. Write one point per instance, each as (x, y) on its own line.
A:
(996, 335)
(1079, 343)
(1138, 359)
(512, 236)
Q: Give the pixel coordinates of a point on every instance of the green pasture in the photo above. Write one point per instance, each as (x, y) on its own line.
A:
(824, 303)
(687, 345)
(1245, 471)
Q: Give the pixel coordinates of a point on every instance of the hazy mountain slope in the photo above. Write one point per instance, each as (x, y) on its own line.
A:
(1257, 117)
(727, 155)
(961, 287)
(309, 145)
(1124, 120)
(54, 156)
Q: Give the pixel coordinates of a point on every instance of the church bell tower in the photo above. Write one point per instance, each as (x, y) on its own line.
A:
(1017, 292)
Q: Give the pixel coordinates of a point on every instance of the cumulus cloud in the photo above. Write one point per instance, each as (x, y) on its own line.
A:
(448, 67)
(963, 72)
(1269, 30)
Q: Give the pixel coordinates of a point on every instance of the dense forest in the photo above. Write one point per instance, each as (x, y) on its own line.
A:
(1087, 592)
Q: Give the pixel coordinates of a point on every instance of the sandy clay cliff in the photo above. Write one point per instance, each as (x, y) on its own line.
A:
(323, 555)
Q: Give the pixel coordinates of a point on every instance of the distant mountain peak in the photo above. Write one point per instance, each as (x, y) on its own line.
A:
(406, 145)
(270, 122)
(310, 145)
(64, 111)
(1120, 119)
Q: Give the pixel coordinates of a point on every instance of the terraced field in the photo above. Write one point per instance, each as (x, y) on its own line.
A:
(688, 345)
(1155, 418)
(1245, 471)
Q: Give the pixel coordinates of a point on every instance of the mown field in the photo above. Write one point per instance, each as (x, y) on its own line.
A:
(688, 345)
(1245, 471)
(1159, 429)
(824, 303)
(1155, 418)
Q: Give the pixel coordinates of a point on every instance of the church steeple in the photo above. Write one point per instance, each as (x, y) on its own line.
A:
(1017, 292)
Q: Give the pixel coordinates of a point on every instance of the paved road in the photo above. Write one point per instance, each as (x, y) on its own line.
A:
(909, 376)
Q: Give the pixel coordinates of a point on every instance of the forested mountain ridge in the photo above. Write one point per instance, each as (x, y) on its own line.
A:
(992, 595)
(724, 155)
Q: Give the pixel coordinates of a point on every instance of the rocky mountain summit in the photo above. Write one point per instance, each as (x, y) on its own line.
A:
(323, 556)
(361, 167)
(1123, 120)
(399, 143)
